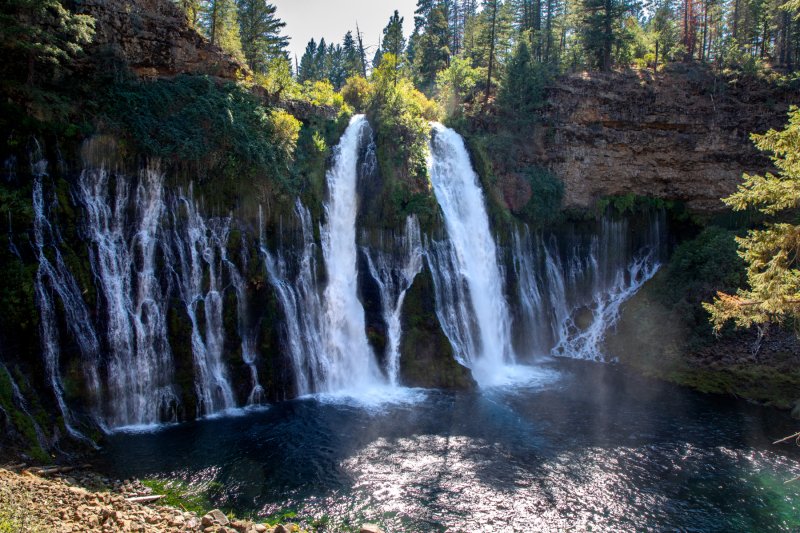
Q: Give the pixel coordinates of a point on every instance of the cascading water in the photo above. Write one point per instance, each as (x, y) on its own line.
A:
(352, 363)
(326, 331)
(585, 284)
(246, 333)
(201, 255)
(299, 295)
(55, 275)
(18, 401)
(468, 265)
(394, 272)
(125, 238)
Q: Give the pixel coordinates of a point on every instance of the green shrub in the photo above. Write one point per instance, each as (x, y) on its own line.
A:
(545, 203)
(216, 129)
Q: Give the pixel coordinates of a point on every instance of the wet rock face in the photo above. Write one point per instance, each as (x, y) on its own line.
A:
(680, 135)
(154, 39)
(426, 357)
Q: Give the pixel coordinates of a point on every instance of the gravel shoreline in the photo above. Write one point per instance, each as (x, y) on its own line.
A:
(77, 500)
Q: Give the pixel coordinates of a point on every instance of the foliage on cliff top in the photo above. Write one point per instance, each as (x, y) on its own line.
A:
(401, 117)
(202, 125)
(772, 254)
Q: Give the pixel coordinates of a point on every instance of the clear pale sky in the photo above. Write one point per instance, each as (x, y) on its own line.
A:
(331, 19)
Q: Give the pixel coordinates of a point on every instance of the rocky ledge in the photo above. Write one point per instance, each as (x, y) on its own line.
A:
(154, 39)
(682, 134)
(68, 500)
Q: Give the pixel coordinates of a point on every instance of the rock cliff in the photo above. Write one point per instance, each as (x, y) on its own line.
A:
(682, 134)
(153, 38)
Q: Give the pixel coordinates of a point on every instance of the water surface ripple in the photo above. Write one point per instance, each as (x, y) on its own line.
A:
(594, 449)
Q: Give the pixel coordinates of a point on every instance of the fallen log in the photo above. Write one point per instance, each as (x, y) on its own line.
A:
(145, 499)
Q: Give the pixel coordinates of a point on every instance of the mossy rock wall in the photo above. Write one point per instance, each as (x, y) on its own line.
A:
(426, 356)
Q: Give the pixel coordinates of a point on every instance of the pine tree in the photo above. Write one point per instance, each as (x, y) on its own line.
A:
(772, 254)
(433, 53)
(320, 61)
(521, 93)
(351, 58)
(336, 68)
(219, 20)
(260, 31)
(393, 42)
(602, 29)
(308, 71)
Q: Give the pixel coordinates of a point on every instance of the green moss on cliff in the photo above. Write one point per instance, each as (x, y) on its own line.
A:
(19, 420)
(426, 357)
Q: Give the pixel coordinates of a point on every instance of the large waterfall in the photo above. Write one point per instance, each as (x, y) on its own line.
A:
(468, 266)
(163, 273)
(352, 361)
(326, 335)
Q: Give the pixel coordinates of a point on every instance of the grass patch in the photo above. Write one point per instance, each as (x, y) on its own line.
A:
(181, 495)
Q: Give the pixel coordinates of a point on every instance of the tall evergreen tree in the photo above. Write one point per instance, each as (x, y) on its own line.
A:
(219, 19)
(260, 31)
(308, 71)
(351, 58)
(602, 29)
(394, 42)
(523, 87)
(433, 52)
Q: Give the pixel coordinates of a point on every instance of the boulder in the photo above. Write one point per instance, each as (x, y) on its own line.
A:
(215, 518)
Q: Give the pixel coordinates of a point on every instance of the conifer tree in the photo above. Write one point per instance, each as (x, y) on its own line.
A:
(433, 52)
(772, 254)
(219, 19)
(260, 31)
(602, 29)
(393, 42)
(308, 71)
(351, 58)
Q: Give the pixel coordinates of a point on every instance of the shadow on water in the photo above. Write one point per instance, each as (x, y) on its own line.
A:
(596, 448)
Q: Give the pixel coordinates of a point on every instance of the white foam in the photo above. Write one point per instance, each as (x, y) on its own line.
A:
(375, 398)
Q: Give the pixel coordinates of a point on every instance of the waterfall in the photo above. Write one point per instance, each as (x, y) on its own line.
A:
(201, 256)
(351, 360)
(570, 297)
(53, 276)
(467, 267)
(125, 238)
(394, 272)
(325, 330)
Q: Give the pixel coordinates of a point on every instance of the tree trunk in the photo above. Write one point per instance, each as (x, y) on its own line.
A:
(491, 51)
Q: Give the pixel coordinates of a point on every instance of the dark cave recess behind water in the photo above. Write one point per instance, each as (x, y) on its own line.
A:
(583, 445)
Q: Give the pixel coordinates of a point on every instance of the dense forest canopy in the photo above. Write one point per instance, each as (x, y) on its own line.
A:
(570, 34)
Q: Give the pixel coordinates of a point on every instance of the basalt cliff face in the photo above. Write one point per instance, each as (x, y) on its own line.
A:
(153, 39)
(682, 134)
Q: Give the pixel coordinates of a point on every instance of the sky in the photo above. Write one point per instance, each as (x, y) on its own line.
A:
(331, 19)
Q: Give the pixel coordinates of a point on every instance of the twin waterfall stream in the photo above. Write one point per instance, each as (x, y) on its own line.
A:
(154, 253)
